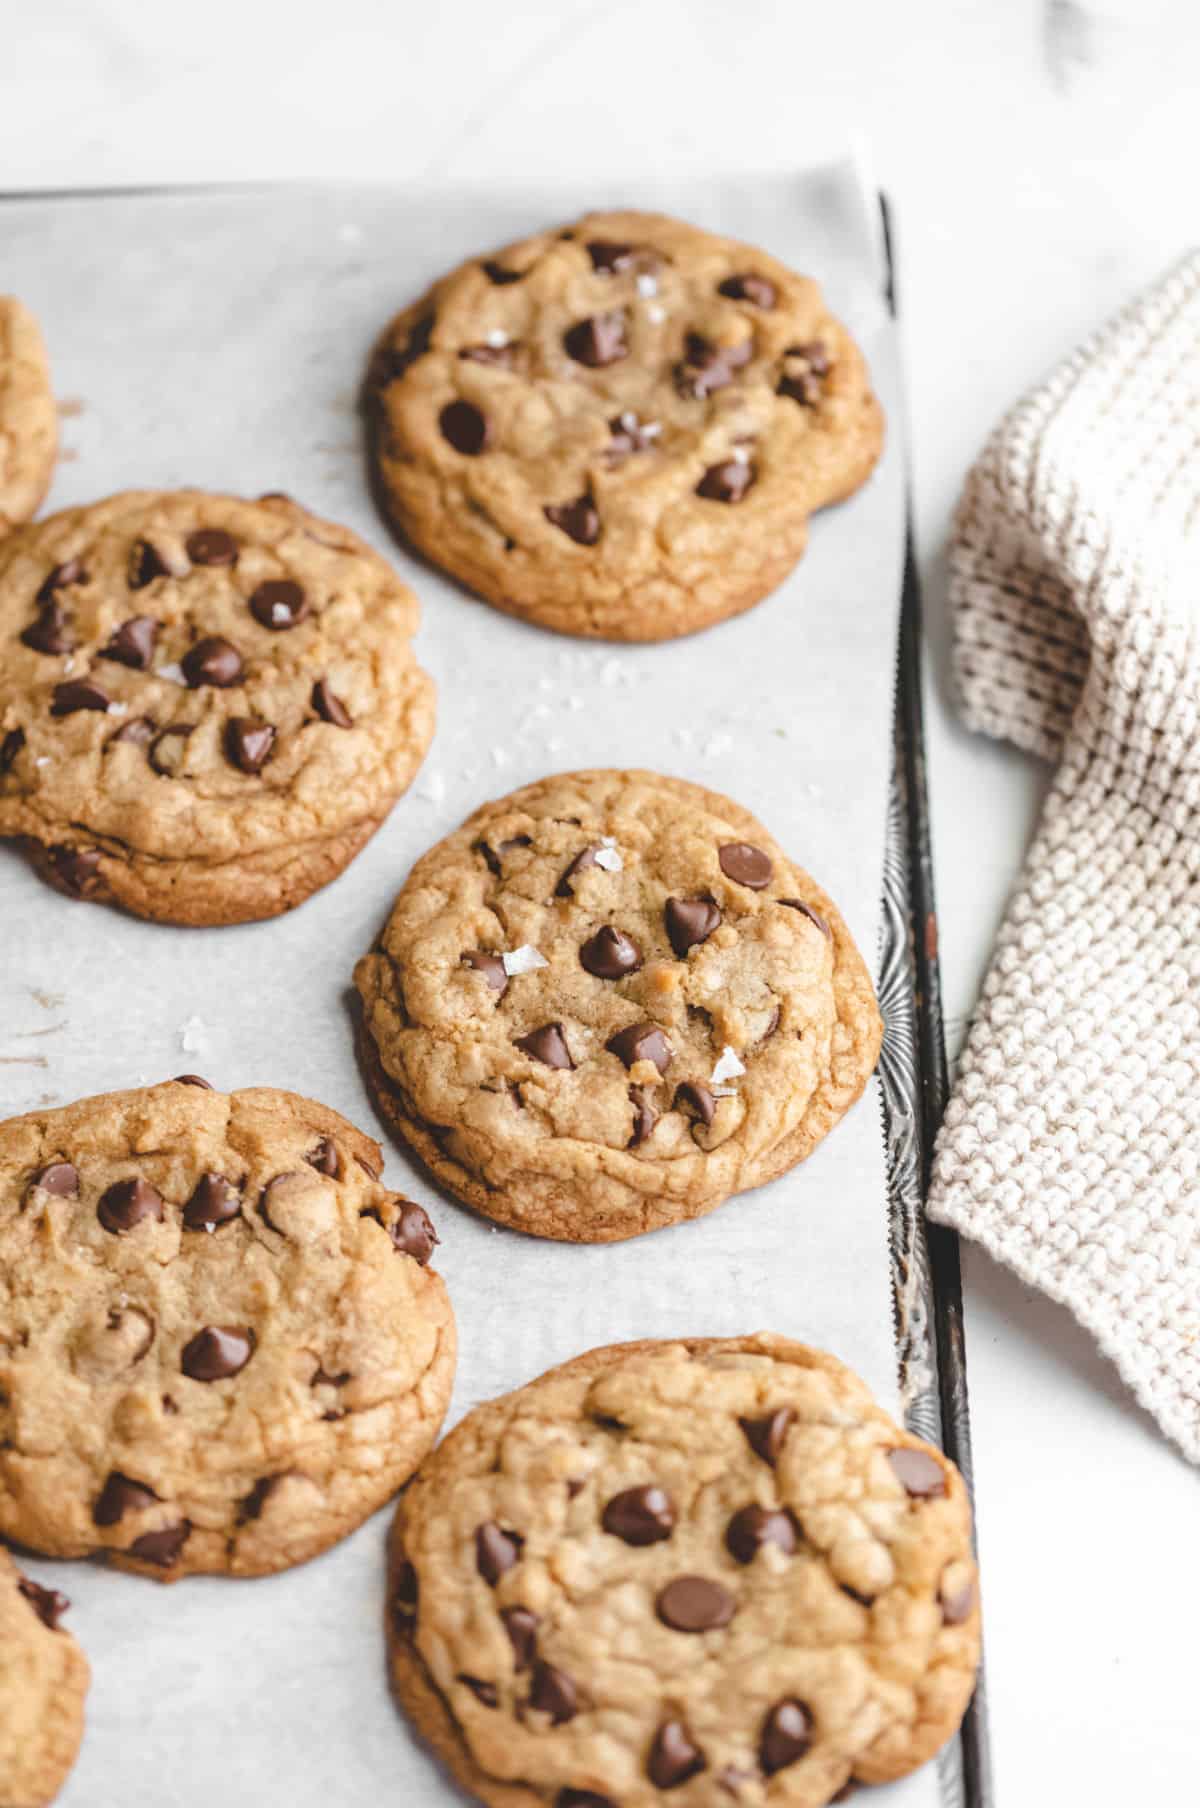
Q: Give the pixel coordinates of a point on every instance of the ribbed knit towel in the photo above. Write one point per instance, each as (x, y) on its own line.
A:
(1071, 1145)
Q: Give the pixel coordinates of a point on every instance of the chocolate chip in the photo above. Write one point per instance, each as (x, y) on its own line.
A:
(800, 386)
(689, 922)
(490, 965)
(598, 341)
(213, 660)
(137, 732)
(579, 520)
(749, 288)
(77, 694)
(552, 1692)
(465, 427)
(51, 631)
(727, 482)
(521, 1627)
(328, 707)
(213, 1202)
(957, 1603)
(167, 751)
(697, 1099)
(645, 1114)
(127, 1203)
(610, 954)
(629, 435)
(77, 870)
(248, 743)
(162, 1547)
(278, 603)
(47, 1603)
(251, 1505)
(496, 273)
(584, 858)
(496, 1551)
(61, 1178)
(694, 1604)
(145, 565)
(133, 642)
(707, 367)
(673, 1756)
(72, 571)
(745, 865)
(485, 1692)
(765, 1436)
(405, 1595)
(755, 1526)
(121, 1495)
(582, 1798)
(494, 855)
(412, 1232)
(641, 1042)
(815, 355)
(192, 1080)
(490, 354)
(211, 546)
(608, 256)
(920, 1473)
(217, 1352)
(809, 912)
(785, 1737)
(547, 1044)
(10, 747)
(856, 1594)
(640, 1515)
(325, 1158)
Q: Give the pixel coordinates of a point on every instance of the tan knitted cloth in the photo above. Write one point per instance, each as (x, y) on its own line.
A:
(1071, 1145)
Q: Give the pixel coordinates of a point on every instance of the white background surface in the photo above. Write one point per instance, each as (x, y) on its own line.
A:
(1042, 156)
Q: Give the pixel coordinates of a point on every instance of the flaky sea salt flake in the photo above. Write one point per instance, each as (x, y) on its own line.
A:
(524, 959)
(728, 1066)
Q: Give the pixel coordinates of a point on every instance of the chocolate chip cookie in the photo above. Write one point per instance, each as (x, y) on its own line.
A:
(621, 427)
(714, 1569)
(28, 424)
(609, 1001)
(43, 1681)
(207, 706)
(221, 1342)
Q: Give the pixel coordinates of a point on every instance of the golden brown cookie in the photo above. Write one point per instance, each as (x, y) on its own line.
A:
(207, 705)
(44, 1679)
(609, 1001)
(713, 1569)
(28, 423)
(221, 1344)
(619, 427)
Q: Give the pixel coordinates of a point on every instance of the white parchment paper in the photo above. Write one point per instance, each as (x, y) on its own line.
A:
(219, 340)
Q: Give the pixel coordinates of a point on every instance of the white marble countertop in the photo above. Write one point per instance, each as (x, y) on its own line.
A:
(1042, 158)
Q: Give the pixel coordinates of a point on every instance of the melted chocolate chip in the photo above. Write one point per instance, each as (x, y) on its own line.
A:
(193, 1080)
(127, 1203)
(582, 1798)
(694, 1604)
(217, 1352)
(689, 921)
(167, 751)
(553, 1692)
(547, 1044)
(608, 256)
(815, 355)
(486, 1692)
(405, 1595)
(61, 1178)
(728, 481)
(248, 743)
(640, 1515)
(786, 1735)
(211, 546)
(330, 708)
(77, 694)
(145, 565)
(493, 856)
(412, 1232)
(584, 858)
(47, 1603)
(326, 1158)
(645, 1114)
(745, 865)
(765, 1436)
(641, 1042)
(73, 571)
(610, 954)
(579, 520)
(697, 1100)
(10, 747)
(521, 1626)
(809, 912)
(213, 660)
(800, 386)
(707, 367)
(77, 870)
(490, 965)
(501, 355)
(133, 643)
(121, 1495)
(755, 1526)
(496, 273)
(496, 1551)
(629, 435)
(920, 1473)
(279, 603)
(674, 1757)
(464, 427)
(50, 632)
(747, 287)
(163, 1547)
(138, 732)
(251, 1505)
(598, 341)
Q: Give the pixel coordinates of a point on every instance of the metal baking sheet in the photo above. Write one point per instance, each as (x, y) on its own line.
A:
(218, 339)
